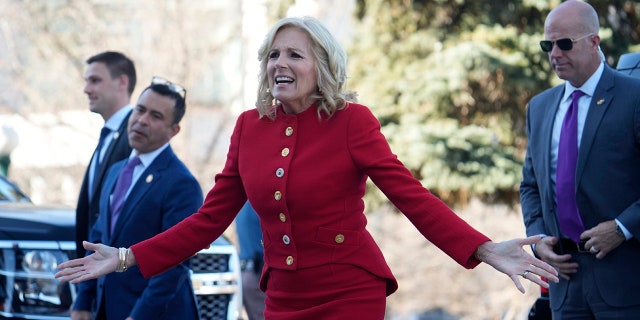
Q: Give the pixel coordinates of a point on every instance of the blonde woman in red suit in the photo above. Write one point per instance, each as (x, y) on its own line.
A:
(302, 158)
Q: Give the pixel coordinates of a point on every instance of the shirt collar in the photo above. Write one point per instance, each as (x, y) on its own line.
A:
(589, 87)
(147, 158)
(117, 118)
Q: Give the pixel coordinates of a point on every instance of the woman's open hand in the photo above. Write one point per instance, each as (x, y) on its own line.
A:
(102, 261)
(510, 258)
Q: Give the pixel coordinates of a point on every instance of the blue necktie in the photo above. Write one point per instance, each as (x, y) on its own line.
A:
(96, 168)
(103, 135)
(120, 191)
(568, 215)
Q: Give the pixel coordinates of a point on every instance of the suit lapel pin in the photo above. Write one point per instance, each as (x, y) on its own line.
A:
(149, 178)
(601, 101)
(116, 135)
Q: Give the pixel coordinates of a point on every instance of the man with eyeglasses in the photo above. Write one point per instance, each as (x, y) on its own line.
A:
(581, 176)
(146, 193)
(109, 82)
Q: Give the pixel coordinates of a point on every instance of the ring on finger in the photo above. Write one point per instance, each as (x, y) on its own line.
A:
(593, 250)
(524, 274)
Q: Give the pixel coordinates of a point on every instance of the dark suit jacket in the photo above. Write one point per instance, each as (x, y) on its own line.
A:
(607, 179)
(87, 210)
(165, 194)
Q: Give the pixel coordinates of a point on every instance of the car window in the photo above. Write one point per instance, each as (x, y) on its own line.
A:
(9, 192)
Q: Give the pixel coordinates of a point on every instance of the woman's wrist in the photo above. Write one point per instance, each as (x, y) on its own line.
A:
(481, 252)
(130, 260)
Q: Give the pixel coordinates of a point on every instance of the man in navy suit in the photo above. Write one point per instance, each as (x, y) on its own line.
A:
(162, 193)
(109, 82)
(599, 263)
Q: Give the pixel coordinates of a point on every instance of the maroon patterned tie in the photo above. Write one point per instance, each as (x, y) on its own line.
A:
(568, 214)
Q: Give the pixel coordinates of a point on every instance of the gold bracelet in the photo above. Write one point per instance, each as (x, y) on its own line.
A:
(122, 259)
(126, 257)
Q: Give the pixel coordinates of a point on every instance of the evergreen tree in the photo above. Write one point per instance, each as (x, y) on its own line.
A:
(449, 81)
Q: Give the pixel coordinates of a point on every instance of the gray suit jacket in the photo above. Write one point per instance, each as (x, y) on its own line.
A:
(607, 179)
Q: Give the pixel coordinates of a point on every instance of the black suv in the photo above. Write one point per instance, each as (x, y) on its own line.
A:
(629, 63)
(35, 239)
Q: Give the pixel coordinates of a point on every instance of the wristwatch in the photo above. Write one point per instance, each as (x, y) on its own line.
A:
(620, 232)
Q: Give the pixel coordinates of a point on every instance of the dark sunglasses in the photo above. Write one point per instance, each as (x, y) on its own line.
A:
(172, 86)
(564, 44)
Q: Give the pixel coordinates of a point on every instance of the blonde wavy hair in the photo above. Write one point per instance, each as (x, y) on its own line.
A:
(331, 68)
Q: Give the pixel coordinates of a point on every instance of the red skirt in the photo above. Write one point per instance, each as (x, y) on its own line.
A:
(336, 291)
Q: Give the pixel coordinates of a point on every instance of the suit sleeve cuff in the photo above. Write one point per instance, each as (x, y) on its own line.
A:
(625, 231)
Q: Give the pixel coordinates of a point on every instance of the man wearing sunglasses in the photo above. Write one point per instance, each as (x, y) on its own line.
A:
(581, 176)
(143, 195)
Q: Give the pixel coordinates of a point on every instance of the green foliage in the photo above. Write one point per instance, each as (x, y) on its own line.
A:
(449, 81)
(450, 157)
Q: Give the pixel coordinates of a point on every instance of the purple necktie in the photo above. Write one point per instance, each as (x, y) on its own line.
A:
(120, 191)
(568, 215)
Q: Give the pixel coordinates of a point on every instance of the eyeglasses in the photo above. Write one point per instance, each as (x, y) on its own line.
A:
(172, 86)
(565, 44)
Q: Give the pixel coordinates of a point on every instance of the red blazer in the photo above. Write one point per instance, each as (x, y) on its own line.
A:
(306, 177)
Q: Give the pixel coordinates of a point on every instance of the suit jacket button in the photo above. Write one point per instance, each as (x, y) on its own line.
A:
(283, 218)
(285, 152)
(288, 132)
(286, 239)
(289, 260)
(339, 238)
(280, 173)
(277, 195)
